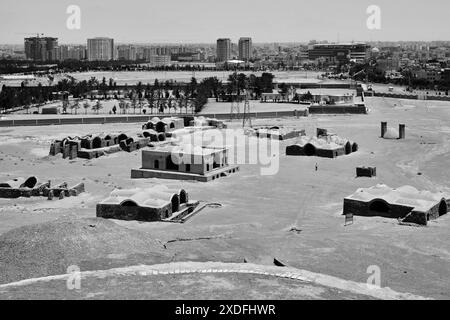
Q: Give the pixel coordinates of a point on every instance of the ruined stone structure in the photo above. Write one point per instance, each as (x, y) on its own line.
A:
(153, 135)
(131, 144)
(21, 187)
(164, 125)
(369, 172)
(327, 146)
(390, 133)
(207, 122)
(278, 133)
(153, 204)
(405, 203)
(31, 187)
(184, 163)
(95, 146)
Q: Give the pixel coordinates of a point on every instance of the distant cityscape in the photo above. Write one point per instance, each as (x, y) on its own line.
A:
(422, 61)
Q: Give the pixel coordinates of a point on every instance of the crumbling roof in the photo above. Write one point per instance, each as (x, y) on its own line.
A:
(20, 182)
(405, 196)
(274, 130)
(330, 142)
(155, 197)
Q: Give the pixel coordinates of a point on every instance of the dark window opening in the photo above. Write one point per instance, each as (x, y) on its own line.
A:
(175, 203)
(96, 143)
(129, 203)
(170, 165)
(379, 206)
(183, 196)
(309, 150)
(442, 208)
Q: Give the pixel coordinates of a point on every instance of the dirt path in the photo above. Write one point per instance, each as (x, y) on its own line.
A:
(226, 268)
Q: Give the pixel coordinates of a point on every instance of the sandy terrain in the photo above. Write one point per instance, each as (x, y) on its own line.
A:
(259, 212)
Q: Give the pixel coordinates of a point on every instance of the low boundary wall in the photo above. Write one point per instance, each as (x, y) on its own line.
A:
(138, 119)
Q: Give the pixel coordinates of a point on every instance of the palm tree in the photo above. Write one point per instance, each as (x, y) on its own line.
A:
(169, 104)
(150, 102)
(64, 106)
(140, 106)
(75, 107)
(86, 106)
(122, 106)
(134, 104)
(96, 107)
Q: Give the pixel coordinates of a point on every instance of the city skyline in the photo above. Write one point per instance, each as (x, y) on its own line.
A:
(284, 21)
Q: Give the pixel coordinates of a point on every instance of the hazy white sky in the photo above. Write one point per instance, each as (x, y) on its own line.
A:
(207, 20)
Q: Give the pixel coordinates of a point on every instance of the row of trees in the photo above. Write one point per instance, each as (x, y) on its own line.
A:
(237, 83)
(160, 96)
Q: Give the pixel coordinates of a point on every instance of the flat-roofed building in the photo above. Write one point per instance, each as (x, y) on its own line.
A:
(184, 163)
(160, 61)
(344, 52)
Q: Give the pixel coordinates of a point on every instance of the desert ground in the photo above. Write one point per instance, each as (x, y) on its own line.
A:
(294, 216)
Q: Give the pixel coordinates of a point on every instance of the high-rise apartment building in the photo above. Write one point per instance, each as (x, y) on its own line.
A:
(126, 52)
(223, 51)
(40, 49)
(100, 49)
(245, 49)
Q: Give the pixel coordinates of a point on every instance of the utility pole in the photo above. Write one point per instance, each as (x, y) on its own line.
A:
(235, 110)
(247, 120)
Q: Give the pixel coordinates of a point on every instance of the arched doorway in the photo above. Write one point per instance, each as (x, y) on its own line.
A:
(160, 127)
(129, 203)
(379, 206)
(348, 148)
(183, 196)
(122, 137)
(161, 137)
(96, 143)
(355, 147)
(443, 208)
(30, 182)
(309, 150)
(175, 203)
(170, 165)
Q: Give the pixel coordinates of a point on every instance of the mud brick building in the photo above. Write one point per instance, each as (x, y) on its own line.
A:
(153, 204)
(184, 163)
(405, 203)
